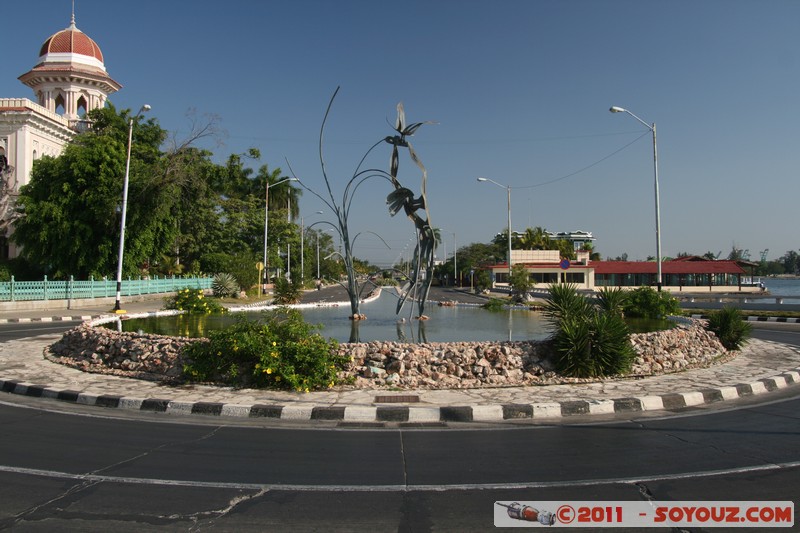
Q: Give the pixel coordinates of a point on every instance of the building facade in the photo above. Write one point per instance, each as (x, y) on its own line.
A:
(69, 80)
(687, 274)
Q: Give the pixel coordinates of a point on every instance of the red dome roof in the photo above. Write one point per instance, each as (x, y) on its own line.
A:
(71, 41)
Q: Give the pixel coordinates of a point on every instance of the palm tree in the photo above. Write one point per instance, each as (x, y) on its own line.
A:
(536, 239)
(280, 195)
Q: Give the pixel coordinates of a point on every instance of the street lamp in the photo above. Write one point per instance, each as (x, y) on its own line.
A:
(117, 308)
(615, 109)
(266, 226)
(508, 190)
(455, 258)
(302, 248)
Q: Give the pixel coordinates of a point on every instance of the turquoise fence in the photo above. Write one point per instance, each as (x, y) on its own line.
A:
(18, 291)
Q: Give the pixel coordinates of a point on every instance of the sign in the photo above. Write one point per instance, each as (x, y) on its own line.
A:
(564, 264)
(260, 265)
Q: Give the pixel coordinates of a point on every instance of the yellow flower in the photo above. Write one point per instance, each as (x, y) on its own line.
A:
(306, 389)
(269, 371)
(274, 343)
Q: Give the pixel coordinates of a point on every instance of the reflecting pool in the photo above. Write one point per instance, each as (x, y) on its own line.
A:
(445, 324)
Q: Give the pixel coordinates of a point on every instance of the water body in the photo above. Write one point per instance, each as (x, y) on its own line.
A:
(445, 324)
(789, 288)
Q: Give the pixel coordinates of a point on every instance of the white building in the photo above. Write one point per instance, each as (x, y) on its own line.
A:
(68, 80)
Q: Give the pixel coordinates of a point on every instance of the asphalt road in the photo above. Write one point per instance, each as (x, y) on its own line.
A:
(77, 471)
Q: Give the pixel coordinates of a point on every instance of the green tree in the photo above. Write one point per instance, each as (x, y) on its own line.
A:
(790, 262)
(520, 282)
(72, 203)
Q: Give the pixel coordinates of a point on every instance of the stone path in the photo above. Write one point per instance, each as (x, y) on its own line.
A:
(761, 367)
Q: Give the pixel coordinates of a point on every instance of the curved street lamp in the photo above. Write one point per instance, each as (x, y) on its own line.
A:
(652, 128)
(508, 190)
(117, 308)
(266, 227)
(302, 248)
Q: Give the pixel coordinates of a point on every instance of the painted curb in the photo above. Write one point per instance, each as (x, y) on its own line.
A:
(300, 411)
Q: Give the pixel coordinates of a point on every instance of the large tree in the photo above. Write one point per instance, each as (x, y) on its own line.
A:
(72, 205)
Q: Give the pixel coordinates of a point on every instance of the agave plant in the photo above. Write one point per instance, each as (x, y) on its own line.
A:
(612, 300)
(224, 285)
(727, 324)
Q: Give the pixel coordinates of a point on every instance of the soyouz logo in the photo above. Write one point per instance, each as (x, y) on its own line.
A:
(595, 514)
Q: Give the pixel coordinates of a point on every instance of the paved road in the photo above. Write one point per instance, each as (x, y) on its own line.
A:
(72, 468)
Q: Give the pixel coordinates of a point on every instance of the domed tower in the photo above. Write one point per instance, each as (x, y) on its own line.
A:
(70, 78)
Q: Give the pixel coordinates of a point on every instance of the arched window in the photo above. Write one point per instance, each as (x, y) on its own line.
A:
(82, 106)
(60, 105)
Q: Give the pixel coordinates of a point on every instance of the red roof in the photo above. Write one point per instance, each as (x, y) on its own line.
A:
(667, 267)
(71, 41)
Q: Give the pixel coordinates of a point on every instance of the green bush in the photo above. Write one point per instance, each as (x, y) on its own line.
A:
(729, 327)
(565, 301)
(494, 304)
(612, 300)
(224, 285)
(593, 345)
(286, 292)
(646, 302)
(193, 301)
(587, 341)
(281, 351)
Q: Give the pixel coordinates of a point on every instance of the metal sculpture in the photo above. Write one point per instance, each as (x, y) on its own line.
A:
(403, 198)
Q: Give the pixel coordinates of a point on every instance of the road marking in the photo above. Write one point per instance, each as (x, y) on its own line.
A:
(392, 488)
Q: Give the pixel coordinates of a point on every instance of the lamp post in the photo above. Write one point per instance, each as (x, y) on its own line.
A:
(455, 258)
(117, 308)
(652, 128)
(508, 190)
(266, 228)
(302, 248)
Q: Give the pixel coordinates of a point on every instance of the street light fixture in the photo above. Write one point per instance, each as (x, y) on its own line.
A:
(302, 248)
(652, 128)
(117, 308)
(266, 227)
(508, 190)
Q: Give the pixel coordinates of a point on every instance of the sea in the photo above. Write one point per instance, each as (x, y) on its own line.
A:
(789, 288)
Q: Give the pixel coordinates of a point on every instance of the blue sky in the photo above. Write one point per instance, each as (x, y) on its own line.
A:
(520, 91)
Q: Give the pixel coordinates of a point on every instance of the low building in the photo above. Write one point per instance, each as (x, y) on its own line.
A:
(686, 274)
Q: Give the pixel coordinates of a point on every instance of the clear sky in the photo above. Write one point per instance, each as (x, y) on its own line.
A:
(520, 90)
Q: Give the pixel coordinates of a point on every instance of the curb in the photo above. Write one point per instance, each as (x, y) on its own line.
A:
(80, 318)
(779, 319)
(380, 414)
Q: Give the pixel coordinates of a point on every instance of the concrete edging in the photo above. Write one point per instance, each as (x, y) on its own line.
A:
(298, 411)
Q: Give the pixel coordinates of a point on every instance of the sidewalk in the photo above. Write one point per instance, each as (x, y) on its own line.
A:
(761, 367)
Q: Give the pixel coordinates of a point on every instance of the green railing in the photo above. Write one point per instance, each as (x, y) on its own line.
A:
(18, 291)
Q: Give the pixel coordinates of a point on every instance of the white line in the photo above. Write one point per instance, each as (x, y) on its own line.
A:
(391, 488)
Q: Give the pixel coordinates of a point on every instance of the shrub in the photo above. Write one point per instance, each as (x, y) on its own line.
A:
(594, 345)
(646, 302)
(281, 351)
(193, 301)
(729, 327)
(494, 304)
(287, 292)
(587, 341)
(224, 285)
(612, 300)
(564, 301)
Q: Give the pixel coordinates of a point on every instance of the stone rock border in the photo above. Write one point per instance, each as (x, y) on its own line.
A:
(379, 364)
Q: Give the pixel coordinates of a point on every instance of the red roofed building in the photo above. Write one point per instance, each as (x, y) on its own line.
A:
(69, 80)
(690, 274)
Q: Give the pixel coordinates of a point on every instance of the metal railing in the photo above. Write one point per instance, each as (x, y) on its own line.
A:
(18, 291)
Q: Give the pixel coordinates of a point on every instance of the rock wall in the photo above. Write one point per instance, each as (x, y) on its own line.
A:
(452, 365)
